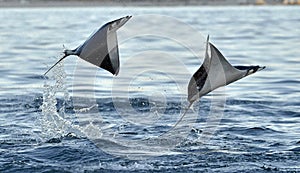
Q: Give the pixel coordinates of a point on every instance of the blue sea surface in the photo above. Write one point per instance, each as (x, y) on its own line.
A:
(80, 118)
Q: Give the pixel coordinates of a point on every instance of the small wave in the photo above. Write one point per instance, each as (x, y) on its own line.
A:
(20, 103)
(276, 144)
(69, 136)
(247, 102)
(54, 140)
(295, 149)
(285, 82)
(288, 113)
(256, 131)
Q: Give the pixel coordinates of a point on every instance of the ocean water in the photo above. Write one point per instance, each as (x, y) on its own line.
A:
(82, 119)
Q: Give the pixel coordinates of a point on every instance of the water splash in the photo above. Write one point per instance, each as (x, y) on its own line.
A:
(52, 120)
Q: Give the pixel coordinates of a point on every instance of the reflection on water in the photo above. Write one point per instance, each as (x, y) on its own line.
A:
(259, 124)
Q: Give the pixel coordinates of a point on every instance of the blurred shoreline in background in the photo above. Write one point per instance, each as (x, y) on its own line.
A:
(94, 3)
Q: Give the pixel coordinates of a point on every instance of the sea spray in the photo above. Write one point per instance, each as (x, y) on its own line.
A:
(53, 121)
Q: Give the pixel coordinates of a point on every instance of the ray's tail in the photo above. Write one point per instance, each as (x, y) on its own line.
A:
(181, 118)
(55, 64)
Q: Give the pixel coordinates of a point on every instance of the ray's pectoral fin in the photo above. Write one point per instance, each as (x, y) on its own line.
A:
(200, 80)
(101, 49)
(250, 69)
(111, 62)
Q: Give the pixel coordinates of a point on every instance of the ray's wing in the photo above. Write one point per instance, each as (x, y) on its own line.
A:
(101, 49)
(200, 76)
(228, 72)
(225, 72)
